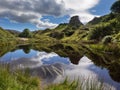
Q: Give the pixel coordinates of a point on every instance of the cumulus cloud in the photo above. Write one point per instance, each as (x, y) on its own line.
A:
(81, 8)
(33, 10)
(30, 11)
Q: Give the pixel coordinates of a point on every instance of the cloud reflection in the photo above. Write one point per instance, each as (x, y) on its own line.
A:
(42, 58)
(87, 70)
(54, 69)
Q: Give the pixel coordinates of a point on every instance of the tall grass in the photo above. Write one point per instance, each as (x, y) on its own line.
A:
(20, 80)
(64, 86)
(17, 80)
(87, 84)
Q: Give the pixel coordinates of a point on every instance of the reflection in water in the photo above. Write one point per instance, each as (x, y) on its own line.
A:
(53, 69)
(16, 55)
(70, 62)
(41, 58)
(108, 61)
(26, 48)
(72, 52)
(48, 72)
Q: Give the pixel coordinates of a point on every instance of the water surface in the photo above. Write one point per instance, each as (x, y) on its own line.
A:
(53, 67)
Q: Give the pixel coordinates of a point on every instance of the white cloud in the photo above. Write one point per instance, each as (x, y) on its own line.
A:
(81, 8)
(33, 10)
(30, 11)
(42, 58)
(85, 16)
(80, 4)
(43, 24)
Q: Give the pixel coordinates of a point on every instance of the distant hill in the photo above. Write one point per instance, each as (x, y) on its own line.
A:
(4, 34)
(14, 32)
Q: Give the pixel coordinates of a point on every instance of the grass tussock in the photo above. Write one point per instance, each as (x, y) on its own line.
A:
(88, 84)
(64, 86)
(17, 81)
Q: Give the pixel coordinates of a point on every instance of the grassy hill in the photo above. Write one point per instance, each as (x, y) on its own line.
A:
(13, 32)
(5, 34)
(107, 26)
(6, 37)
(72, 31)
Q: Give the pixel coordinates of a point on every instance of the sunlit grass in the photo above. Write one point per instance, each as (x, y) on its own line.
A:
(17, 80)
(88, 84)
(64, 86)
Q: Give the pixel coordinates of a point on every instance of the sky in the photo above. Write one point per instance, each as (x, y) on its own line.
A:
(41, 14)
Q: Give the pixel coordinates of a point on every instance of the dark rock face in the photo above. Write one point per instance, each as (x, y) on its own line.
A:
(75, 22)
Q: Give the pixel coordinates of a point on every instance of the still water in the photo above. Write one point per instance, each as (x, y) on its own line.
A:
(54, 68)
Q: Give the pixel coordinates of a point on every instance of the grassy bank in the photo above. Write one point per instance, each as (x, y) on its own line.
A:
(17, 80)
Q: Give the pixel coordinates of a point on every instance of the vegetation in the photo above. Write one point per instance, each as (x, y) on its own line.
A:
(17, 80)
(5, 34)
(26, 34)
(76, 85)
(117, 37)
(57, 35)
(74, 31)
(116, 7)
(14, 32)
(6, 38)
(104, 30)
(106, 25)
(6, 48)
(106, 56)
(107, 39)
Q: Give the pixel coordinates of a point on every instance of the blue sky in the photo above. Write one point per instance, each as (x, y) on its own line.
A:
(31, 14)
(103, 7)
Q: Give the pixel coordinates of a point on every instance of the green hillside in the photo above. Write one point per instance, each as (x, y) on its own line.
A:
(72, 31)
(5, 34)
(109, 25)
(6, 37)
(103, 29)
(14, 32)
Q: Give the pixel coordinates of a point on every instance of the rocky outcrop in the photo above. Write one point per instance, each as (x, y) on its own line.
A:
(75, 22)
